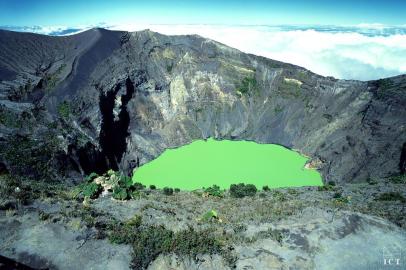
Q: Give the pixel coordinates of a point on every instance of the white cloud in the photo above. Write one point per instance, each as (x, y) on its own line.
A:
(362, 52)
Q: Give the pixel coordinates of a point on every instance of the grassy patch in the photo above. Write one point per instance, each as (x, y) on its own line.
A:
(289, 88)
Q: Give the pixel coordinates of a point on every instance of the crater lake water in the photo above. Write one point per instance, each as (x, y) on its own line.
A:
(204, 163)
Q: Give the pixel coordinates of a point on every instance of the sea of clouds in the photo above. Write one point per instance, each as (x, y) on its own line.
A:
(362, 52)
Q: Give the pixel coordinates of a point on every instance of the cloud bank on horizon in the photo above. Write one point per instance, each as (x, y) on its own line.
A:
(362, 52)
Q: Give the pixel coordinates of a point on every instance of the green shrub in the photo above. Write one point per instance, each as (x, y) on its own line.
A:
(289, 89)
(35, 158)
(266, 188)
(120, 193)
(325, 188)
(92, 190)
(214, 191)
(391, 196)
(111, 172)
(209, 216)
(341, 200)
(153, 241)
(279, 196)
(193, 243)
(137, 194)
(169, 68)
(274, 234)
(398, 179)
(91, 177)
(137, 186)
(152, 187)
(241, 190)
(135, 221)
(64, 109)
(148, 242)
(177, 190)
(168, 191)
(372, 181)
(248, 85)
(126, 182)
(43, 216)
(120, 233)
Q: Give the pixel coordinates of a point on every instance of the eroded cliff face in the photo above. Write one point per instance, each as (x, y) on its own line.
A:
(128, 96)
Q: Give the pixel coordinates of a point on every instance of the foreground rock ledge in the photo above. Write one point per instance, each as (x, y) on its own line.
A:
(301, 228)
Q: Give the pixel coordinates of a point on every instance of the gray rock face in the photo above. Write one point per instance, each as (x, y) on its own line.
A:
(133, 95)
(53, 246)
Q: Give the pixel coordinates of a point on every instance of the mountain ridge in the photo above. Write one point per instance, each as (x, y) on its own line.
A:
(181, 88)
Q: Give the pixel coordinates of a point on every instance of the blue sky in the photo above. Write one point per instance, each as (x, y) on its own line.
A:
(79, 12)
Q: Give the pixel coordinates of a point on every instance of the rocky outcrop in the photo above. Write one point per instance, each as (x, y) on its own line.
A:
(129, 96)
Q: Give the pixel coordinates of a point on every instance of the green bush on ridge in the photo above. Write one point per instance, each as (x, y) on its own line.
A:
(168, 191)
(241, 190)
(214, 191)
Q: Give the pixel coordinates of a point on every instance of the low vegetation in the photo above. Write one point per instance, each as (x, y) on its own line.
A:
(92, 190)
(326, 187)
(52, 79)
(17, 190)
(32, 158)
(121, 186)
(266, 188)
(398, 179)
(148, 242)
(64, 110)
(214, 191)
(209, 216)
(247, 86)
(289, 88)
(391, 196)
(12, 120)
(167, 191)
(241, 190)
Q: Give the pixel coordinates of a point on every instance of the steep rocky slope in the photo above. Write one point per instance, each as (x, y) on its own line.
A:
(103, 99)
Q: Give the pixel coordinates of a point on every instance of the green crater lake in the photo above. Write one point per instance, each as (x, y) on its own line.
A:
(204, 163)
